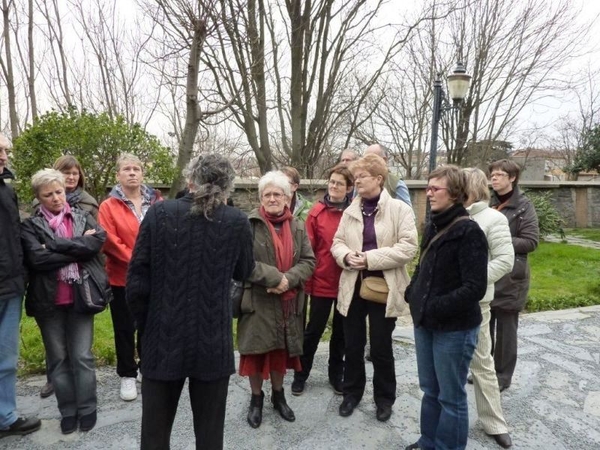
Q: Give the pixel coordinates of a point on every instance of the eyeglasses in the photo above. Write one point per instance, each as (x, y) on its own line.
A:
(275, 195)
(433, 189)
(498, 174)
(336, 183)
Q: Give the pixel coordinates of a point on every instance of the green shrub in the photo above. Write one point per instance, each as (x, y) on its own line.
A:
(550, 221)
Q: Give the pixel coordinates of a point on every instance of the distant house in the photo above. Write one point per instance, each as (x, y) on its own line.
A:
(541, 164)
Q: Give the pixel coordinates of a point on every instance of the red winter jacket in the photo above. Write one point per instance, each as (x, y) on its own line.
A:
(321, 224)
(122, 228)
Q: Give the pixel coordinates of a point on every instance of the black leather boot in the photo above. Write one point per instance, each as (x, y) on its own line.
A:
(279, 403)
(255, 410)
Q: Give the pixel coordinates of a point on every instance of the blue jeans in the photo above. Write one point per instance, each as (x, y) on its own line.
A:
(443, 360)
(68, 338)
(10, 316)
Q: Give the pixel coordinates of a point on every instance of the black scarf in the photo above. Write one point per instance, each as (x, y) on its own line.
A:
(440, 220)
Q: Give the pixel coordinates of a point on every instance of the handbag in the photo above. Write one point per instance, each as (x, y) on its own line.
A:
(89, 297)
(236, 292)
(374, 289)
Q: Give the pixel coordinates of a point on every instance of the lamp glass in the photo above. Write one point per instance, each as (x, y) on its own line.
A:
(458, 86)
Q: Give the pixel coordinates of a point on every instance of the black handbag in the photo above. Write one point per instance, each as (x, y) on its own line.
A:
(89, 297)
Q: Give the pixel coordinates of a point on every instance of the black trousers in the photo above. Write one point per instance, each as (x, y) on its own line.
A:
(159, 406)
(382, 355)
(125, 334)
(503, 329)
(320, 308)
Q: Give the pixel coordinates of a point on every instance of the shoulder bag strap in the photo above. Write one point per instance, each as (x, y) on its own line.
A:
(440, 234)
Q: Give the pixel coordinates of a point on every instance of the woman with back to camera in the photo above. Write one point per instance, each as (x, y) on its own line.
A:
(501, 260)
(271, 323)
(178, 284)
(444, 295)
(58, 243)
(376, 238)
(321, 224)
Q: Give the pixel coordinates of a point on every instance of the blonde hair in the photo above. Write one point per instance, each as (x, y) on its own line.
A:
(371, 163)
(129, 157)
(477, 185)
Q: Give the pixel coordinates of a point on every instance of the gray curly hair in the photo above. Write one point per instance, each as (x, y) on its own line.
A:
(211, 177)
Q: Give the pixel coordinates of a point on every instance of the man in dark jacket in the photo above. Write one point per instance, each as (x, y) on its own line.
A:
(510, 292)
(11, 292)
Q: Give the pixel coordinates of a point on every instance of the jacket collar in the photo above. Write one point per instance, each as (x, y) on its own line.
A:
(477, 207)
(354, 209)
(6, 174)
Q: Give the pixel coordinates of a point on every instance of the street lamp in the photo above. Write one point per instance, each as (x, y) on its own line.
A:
(458, 87)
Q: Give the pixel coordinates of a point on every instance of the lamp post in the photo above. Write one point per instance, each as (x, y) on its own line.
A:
(458, 87)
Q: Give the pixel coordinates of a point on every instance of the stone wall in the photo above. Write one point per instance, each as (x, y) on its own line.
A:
(577, 202)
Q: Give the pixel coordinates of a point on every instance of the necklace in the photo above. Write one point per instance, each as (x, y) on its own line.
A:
(362, 208)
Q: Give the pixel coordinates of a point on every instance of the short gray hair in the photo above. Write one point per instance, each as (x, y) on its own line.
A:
(212, 176)
(128, 157)
(45, 177)
(275, 178)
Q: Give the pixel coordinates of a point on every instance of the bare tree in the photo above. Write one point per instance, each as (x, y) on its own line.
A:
(515, 52)
(7, 70)
(320, 44)
(184, 27)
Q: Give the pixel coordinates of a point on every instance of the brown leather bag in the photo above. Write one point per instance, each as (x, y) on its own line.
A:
(374, 289)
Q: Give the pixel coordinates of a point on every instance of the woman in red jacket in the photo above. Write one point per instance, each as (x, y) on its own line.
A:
(321, 224)
(120, 215)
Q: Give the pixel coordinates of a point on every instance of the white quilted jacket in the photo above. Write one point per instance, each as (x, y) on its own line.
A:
(501, 255)
(396, 246)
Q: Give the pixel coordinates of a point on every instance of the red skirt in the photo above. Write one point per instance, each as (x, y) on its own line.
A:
(265, 363)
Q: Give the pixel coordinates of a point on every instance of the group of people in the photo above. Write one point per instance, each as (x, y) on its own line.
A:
(169, 265)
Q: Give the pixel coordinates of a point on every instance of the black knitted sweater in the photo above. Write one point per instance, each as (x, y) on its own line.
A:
(178, 288)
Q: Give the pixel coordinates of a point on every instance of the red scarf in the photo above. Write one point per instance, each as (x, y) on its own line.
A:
(284, 252)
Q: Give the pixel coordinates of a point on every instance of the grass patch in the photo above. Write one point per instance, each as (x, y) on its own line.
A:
(593, 234)
(32, 355)
(563, 276)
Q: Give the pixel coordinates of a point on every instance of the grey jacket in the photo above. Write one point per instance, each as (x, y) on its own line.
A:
(261, 327)
(510, 292)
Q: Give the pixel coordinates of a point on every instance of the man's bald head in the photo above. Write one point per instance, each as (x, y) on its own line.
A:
(378, 150)
(4, 147)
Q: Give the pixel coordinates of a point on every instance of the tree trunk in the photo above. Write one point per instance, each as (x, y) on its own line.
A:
(193, 114)
(8, 73)
(31, 77)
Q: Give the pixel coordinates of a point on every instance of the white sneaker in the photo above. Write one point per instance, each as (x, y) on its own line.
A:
(139, 377)
(128, 389)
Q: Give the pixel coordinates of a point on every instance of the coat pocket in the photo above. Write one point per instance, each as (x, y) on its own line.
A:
(247, 304)
(520, 270)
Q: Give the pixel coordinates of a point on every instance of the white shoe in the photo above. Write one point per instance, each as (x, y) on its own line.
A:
(128, 389)
(139, 377)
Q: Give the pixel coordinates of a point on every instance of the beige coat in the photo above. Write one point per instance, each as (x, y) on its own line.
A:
(396, 246)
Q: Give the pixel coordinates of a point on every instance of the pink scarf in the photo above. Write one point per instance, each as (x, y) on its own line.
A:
(62, 225)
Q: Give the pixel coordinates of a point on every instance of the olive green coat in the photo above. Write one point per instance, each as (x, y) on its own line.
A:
(261, 327)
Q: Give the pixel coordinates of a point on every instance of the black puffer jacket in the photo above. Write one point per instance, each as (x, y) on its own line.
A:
(11, 255)
(45, 254)
(448, 283)
(178, 288)
(510, 291)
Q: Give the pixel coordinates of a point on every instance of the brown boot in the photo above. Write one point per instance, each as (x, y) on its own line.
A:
(255, 410)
